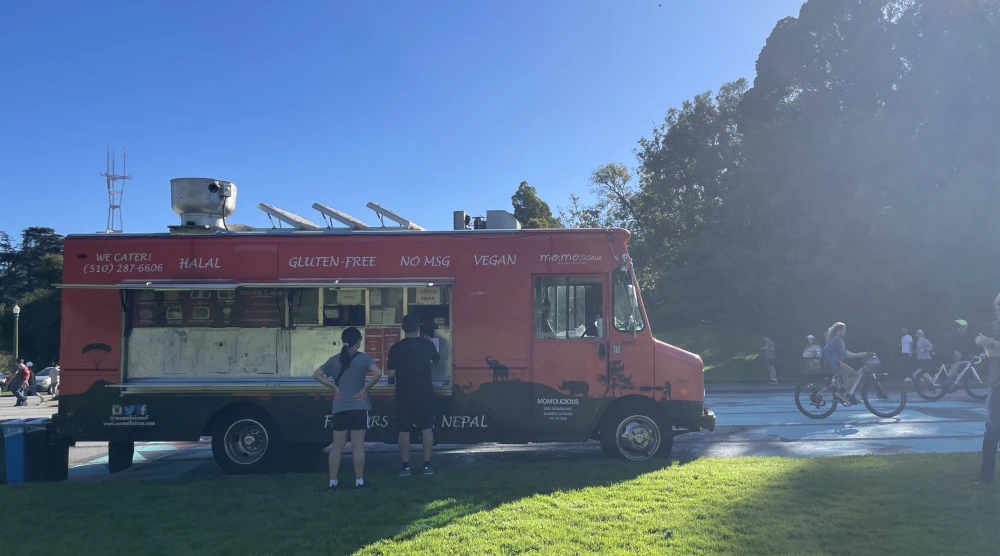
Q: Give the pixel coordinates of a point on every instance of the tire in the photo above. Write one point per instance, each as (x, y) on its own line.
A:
(923, 384)
(975, 387)
(246, 442)
(809, 388)
(883, 385)
(637, 434)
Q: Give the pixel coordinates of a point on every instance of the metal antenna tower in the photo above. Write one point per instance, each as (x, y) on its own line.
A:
(115, 191)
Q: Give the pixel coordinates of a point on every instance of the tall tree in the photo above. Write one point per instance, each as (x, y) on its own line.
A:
(615, 191)
(27, 274)
(530, 210)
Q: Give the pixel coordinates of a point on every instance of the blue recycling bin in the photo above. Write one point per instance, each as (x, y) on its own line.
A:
(13, 460)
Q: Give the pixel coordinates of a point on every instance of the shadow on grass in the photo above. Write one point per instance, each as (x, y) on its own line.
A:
(287, 513)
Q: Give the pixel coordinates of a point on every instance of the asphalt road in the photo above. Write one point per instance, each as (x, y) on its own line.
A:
(762, 422)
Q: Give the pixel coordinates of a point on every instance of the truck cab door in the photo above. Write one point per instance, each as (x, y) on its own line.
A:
(630, 357)
(569, 354)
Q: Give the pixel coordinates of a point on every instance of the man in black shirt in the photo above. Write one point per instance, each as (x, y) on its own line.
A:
(989, 339)
(409, 362)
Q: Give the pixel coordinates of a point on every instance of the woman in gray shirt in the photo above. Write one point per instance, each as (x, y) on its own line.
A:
(351, 405)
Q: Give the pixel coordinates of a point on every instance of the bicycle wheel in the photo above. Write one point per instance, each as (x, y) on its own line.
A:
(975, 385)
(815, 399)
(884, 396)
(927, 387)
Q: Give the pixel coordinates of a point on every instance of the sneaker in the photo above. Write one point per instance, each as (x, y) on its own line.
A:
(773, 381)
(404, 472)
(362, 486)
(331, 488)
(428, 470)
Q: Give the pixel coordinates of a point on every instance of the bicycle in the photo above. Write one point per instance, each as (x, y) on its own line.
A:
(823, 392)
(932, 386)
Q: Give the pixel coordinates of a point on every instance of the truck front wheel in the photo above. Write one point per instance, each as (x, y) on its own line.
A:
(636, 435)
(245, 444)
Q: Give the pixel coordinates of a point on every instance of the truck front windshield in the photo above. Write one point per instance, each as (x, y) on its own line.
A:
(623, 303)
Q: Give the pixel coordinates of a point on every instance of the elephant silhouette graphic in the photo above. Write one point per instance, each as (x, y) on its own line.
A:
(500, 371)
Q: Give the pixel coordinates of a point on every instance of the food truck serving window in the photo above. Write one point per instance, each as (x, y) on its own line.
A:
(237, 308)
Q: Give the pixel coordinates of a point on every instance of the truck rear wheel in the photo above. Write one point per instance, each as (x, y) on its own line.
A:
(636, 434)
(245, 443)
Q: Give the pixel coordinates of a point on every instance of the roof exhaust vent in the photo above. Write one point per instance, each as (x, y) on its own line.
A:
(202, 202)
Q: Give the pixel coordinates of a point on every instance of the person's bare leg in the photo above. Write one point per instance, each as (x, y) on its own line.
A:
(404, 447)
(358, 447)
(339, 440)
(428, 439)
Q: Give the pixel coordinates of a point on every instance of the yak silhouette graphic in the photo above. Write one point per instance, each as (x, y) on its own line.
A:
(500, 371)
(574, 387)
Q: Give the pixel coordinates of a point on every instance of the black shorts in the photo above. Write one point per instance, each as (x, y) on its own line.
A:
(351, 420)
(414, 417)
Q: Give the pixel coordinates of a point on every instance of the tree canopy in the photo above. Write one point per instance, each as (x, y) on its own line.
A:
(854, 180)
(530, 210)
(27, 274)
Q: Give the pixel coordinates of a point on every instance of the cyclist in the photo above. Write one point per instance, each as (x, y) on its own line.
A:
(835, 353)
(953, 345)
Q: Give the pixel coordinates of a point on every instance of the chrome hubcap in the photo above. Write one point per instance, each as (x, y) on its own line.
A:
(638, 437)
(246, 441)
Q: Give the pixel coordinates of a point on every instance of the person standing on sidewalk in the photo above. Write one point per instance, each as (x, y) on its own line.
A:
(812, 351)
(989, 340)
(769, 358)
(54, 373)
(409, 362)
(906, 352)
(350, 402)
(925, 353)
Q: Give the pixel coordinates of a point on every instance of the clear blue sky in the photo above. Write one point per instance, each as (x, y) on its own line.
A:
(423, 106)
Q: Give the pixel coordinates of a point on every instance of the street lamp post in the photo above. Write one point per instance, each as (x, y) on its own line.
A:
(17, 322)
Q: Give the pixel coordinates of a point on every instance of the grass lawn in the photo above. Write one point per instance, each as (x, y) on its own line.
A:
(730, 355)
(905, 505)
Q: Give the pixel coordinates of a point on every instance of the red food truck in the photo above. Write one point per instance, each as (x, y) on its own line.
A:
(214, 329)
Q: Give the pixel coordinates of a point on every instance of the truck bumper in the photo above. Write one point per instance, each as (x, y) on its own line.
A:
(708, 420)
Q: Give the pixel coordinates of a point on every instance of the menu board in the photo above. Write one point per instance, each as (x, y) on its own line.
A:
(243, 308)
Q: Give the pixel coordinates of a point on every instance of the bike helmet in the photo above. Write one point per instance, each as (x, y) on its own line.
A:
(961, 322)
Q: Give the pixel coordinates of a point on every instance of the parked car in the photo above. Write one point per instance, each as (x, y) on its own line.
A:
(43, 381)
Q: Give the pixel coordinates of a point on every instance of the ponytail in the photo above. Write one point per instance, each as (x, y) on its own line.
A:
(345, 357)
(348, 337)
